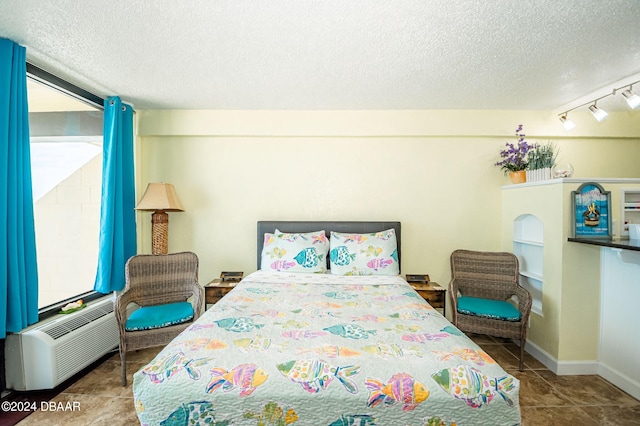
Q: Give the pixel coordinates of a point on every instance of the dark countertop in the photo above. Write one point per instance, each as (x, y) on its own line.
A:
(609, 242)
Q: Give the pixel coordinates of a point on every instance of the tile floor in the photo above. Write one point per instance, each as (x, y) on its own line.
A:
(545, 399)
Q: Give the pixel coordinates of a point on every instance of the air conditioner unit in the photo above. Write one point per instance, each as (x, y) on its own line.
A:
(46, 354)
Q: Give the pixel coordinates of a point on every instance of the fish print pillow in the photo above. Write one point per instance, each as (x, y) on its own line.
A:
(287, 252)
(364, 254)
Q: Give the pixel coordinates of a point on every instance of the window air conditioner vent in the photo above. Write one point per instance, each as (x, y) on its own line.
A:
(74, 322)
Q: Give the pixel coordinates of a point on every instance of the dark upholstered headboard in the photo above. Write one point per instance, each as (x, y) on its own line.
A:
(303, 226)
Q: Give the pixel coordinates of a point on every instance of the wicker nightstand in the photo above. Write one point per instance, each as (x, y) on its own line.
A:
(433, 293)
(215, 290)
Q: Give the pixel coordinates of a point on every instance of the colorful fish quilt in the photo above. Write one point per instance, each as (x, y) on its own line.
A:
(281, 347)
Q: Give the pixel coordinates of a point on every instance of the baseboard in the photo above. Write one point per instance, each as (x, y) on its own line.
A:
(538, 353)
(620, 380)
(580, 368)
(577, 368)
(562, 368)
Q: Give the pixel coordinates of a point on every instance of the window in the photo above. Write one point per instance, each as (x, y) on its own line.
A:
(66, 161)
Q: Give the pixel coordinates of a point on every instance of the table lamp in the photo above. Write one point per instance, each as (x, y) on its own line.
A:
(160, 198)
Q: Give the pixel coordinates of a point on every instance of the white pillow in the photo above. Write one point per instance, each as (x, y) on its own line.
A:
(364, 254)
(295, 252)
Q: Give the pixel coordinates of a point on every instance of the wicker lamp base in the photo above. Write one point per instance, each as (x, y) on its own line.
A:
(159, 232)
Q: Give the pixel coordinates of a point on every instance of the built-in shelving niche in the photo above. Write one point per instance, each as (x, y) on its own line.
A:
(528, 246)
(630, 209)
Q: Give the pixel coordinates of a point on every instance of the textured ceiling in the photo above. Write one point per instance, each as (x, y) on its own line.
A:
(313, 54)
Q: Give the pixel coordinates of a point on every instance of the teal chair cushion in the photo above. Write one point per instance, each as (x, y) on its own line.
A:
(488, 308)
(150, 317)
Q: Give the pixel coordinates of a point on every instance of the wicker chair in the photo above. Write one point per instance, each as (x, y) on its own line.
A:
(489, 275)
(153, 280)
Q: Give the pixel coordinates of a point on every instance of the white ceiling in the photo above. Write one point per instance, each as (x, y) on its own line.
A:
(314, 54)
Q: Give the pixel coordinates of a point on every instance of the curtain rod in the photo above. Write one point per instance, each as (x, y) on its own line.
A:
(57, 83)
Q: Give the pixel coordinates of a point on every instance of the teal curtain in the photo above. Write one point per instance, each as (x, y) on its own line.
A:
(18, 268)
(117, 215)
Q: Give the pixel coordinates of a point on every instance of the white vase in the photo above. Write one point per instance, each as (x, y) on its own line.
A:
(538, 175)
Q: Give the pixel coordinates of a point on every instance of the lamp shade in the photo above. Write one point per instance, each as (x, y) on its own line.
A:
(160, 196)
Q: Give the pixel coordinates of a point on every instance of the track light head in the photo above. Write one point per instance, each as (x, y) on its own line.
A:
(566, 123)
(632, 99)
(598, 114)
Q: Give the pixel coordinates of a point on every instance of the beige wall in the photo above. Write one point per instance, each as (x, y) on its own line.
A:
(431, 170)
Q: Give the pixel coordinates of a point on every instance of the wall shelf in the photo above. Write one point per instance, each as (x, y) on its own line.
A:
(630, 212)
(528, 246)
(531, 275)
(529, 242)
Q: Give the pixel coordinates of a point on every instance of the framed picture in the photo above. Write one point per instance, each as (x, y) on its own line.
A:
(591, 212)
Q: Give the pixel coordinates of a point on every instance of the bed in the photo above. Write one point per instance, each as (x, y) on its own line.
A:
(287, 346)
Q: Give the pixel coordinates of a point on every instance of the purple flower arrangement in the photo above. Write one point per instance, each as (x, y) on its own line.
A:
(514, 157)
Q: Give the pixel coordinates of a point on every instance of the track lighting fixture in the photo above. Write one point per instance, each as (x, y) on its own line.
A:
(598, 114)
(566, 123)
(632, 99)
